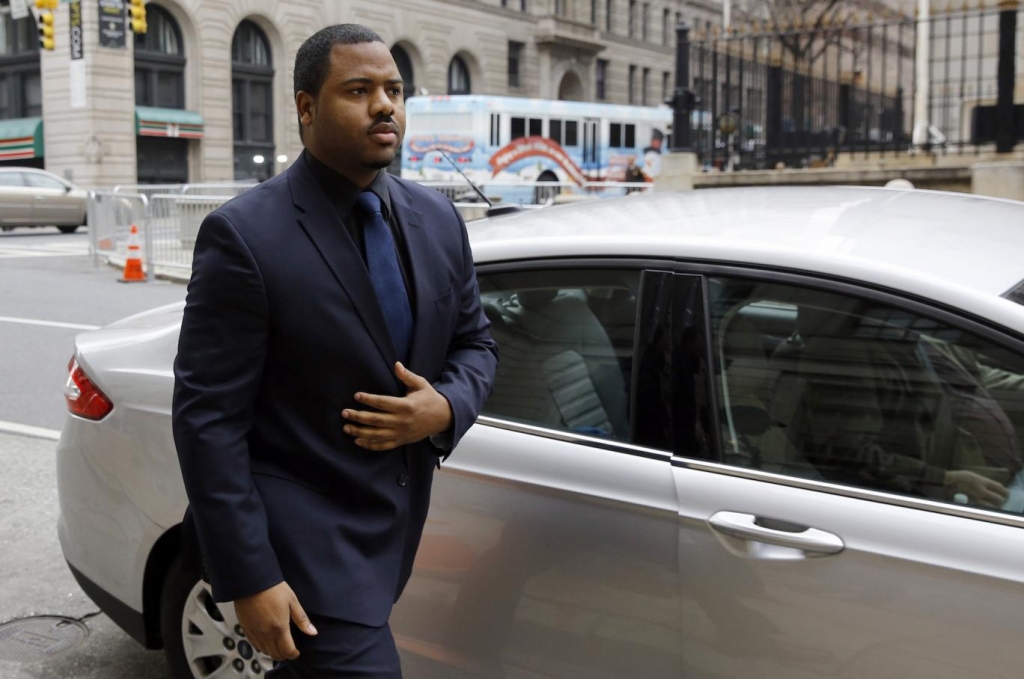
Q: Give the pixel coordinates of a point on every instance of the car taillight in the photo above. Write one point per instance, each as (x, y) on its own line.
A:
(83, 397)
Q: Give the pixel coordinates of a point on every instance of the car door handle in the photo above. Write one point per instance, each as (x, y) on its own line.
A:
(783, 534)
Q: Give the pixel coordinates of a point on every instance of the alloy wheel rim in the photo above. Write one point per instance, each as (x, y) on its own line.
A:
(214, 644)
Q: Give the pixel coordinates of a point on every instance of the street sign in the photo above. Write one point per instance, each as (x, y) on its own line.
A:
(76, 39)
(112, 24)
(19, 9)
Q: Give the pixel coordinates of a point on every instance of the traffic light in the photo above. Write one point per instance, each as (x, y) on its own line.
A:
(136, 16)
(45, 19)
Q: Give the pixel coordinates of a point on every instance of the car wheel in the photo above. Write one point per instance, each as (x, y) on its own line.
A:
(68, 229)
(201, 638)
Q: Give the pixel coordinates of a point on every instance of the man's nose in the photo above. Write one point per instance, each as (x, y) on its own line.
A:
(380, 103)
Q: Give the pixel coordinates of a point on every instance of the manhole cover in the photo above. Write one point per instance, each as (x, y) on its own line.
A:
(31, 639)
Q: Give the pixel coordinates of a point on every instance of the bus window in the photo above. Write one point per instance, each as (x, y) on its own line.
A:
(630, 136)
(518, 128)
(555, 130)
(571, 133)
(615, 135)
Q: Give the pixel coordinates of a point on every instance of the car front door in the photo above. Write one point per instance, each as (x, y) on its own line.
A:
(550, 550)
(53, 204)
(850, 501)
(15, 200)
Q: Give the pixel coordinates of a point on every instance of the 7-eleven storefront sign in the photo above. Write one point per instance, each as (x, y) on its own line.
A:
(21, 139)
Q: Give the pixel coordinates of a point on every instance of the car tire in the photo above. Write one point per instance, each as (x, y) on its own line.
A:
(199, 636)
(67, 229)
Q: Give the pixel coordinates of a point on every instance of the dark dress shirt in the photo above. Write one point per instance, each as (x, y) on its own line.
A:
(343, 194)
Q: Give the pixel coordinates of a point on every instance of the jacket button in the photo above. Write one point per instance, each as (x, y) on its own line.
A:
(403, 479)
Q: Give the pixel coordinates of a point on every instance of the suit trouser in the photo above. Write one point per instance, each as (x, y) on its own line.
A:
(341, 650)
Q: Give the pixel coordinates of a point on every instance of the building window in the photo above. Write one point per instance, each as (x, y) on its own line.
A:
(632, 84)
(404, 64)
(593, 12)
(159, 62)
(458, 77)
(644, 78)
(646, 9)
(632, 18)
(252, 81)
(515, 53)
(21, 92)
(609, 8)
(601, 79)
(665, 82)
(522, 5)
(666, 27)
(560, 7)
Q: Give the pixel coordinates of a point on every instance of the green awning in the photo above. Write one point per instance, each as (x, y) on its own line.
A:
(21, 138)
(168, 122)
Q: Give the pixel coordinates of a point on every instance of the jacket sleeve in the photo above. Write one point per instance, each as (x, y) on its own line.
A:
(217, 373)
(468, 375)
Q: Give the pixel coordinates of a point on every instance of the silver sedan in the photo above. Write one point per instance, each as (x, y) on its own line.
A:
(735, 433)
(31, 197)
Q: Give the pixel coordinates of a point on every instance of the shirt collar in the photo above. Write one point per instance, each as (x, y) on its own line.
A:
(343, 193)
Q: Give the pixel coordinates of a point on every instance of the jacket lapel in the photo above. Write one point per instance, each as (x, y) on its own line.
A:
(332, 240)
(410, 222)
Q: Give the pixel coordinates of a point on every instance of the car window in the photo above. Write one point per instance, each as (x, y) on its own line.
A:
(565, 342)
(11, 179)
(41, 181)
(853, 391)
(1016, 294)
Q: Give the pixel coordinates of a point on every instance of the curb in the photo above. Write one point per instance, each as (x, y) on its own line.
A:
(163, 273)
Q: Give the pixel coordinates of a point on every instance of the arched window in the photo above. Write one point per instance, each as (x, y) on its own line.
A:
(159, 62)
(252, 102)
(21, 94)
(458, 77)
(404, 64)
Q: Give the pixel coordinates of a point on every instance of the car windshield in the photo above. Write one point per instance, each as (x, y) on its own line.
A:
(1016, 294)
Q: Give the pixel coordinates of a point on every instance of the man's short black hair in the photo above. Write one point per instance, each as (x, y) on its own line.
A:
(313, 60)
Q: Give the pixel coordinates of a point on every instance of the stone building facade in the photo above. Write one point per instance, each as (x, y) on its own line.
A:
(206, 94)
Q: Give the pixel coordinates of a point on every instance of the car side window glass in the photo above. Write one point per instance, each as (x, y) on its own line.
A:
(857, 392)
(11, 179)
(41, 181)
(565, 341)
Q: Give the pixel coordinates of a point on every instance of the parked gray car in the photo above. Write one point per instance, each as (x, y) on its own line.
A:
(31, 197)
(735, 433)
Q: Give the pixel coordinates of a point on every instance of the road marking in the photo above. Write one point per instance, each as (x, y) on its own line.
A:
(8, 251)
(27, 430)
(50, 324)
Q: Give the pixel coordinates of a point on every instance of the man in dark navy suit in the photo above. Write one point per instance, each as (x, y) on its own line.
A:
(333, 351)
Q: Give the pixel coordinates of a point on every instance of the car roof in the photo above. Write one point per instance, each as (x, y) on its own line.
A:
(974, 243)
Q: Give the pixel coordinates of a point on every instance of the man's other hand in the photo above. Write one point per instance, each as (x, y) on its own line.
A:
(265, 618)
(395, 422)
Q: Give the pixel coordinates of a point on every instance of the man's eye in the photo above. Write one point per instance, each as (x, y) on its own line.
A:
(359, 90)
(396, 91)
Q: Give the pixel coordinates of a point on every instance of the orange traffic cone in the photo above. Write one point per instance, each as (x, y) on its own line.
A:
(133, 264)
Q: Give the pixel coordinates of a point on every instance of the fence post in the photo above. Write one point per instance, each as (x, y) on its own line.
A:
(773, 111)
(682, 98)
(1006, 135)
(147, 217)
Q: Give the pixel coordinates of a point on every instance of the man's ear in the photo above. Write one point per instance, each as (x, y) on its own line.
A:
(305, 106)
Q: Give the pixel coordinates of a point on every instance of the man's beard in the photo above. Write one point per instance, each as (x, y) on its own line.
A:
(378, 164)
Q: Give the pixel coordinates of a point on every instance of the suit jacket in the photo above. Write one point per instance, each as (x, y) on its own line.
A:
(281, 328)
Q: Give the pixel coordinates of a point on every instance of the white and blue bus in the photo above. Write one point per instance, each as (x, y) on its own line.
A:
(504, 141)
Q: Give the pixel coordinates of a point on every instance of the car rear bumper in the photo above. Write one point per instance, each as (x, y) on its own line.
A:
(127, 618)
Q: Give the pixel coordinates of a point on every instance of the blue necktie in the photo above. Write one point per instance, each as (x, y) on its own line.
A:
(386, 273)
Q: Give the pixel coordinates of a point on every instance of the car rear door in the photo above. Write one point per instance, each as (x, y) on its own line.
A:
(53, 203)
(817, 535)
(15, 200)
(550, 550)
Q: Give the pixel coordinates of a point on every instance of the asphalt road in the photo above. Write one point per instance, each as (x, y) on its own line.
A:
(49, 287)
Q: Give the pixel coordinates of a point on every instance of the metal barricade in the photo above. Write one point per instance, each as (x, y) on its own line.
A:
(536, 193)
(111, 216)
(173, 224)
